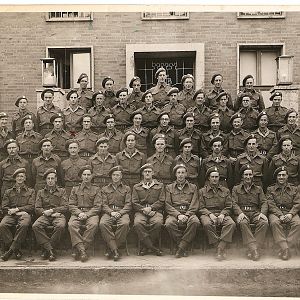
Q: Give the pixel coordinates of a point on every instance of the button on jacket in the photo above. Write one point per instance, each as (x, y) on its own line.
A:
(101, 166)
(122, 114)
(73, 118)
(276, 117)
(267, 142)
(162, 166)
(234, 144)
(87, 141)
(29, 142)
(71, 167)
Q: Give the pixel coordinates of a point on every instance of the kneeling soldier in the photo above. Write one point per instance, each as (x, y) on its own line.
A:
(17, 205)
(215, 208)
(116, 201)
(284, 205)
(85, 206)
(250, 206)
(51, 206)
(182, 203)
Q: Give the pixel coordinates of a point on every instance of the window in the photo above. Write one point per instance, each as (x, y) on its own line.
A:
(165, 15)
(70, 63)
(69, 16)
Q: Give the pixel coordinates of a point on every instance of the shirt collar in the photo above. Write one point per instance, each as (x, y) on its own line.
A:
(22, 187)
(148, 185)
(128, 155)
(181, 186)
(50, 189)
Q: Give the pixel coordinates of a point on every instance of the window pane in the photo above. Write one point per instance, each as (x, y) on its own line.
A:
(268, 68)
(81, 64)
(248, 65)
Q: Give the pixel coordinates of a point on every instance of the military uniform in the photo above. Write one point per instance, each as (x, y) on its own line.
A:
(205, 149)
(202, 117)
(249, 117)
(17, 118)
(98, 114)
(194, 134)
(234, 144)
(185, 97)
(225, 117)
(141, 138)
(256, 100)
(114, 140)
(122, 115)
(58, 140)
(135, 99)
(276, 117)
(150, 116)
(159, 93)
(175, 112)
(110, 99)
(73, 119)
(85, 98)
(5, 135)
(211, 99)
(293, 133)
(87, 143)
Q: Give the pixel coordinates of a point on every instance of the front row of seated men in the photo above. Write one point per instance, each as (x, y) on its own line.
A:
(181, 202)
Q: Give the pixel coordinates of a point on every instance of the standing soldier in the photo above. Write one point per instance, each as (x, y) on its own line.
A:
(110, 97)
(46, 111)
(17, 127)
(116, 205)
(84, 95)
(215, 209)
(284, 205)
(5, 134)
(17, 206)
(250, 206)
(148, 201)
(182, 204)
(185, 97)
(85, 207)
(58, 136)
(50, 207)
(10, 164)
(135, 98)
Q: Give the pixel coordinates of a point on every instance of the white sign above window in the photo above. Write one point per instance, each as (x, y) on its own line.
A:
(172, 15)
(58, 16)
(261, 15)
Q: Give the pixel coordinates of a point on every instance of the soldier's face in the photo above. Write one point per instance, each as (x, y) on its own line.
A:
(164, 121)
(109, 85)
(249, 83)
(110, 124)
(187, 148)
(23, 103)
(130, 141)
(28, 125)
(251, 145)
(73, 149)
(217, 147)
(160, 145)
(51, 179)
(181, 174)
(246, 101)
(123, 97)
(86, 176)
(282, 177)
(103, 148)
(47, 148)
(137, 120)
(3, 122)
(99, 100)
(263, 122)
(148, 174)
(218, 81)
(149, 99)
(162, 76)
(86, 123)
(73, 99)
(20, 178)
(215, 124)
(12, 149)
(188, 84)
(292, 118)
(58, 123)
(83, 83)
(199, 99)
(116, 176)
(237, 123)
(214, 178)
(173, 97)
(48, 98)
(189, 122)
(136, 86)
(248, 176)
(277, 101)
(223, 101)
(287, 146)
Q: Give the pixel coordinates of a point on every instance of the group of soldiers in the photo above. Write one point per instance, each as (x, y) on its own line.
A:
(181, 159)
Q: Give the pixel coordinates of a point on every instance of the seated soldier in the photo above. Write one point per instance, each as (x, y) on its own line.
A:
(85, 207)
(284, 205)
(116, 205)
(148, 200)
(215, 208)
(17, 206)
(250, 206)
(182, 203)
(51, 207)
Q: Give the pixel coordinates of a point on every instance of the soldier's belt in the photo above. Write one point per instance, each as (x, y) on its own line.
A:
(248, 208)
(115, 207)
(281, 206)
(182, 208)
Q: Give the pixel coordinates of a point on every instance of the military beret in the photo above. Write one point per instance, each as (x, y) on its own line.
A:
(187, 115)
(158, 136)
(291, 110)
(185, 141)
(46, 91)
(280, 169)
(121, 91)
(43, 141)
(110, 116)
(214, 77)
(245, 79)
(82, 75)
(95, 95)
(221, 95)
(162, 114)
(102, 140)
(263, 113)
(49, 171)
(70, 93)
(235, 116)
(216, 139)
(18, 171)
(84, 168)
(116, 168)
(10, 141)
(71, 141)
(145, 94)
(126, 134)
(137, 112)
(275, 94)
(3, 115)
(133, 79)
(178, 167)
(172, 91)
(159, 71)
(210, 170)
(19, 99)
(200, 91)
(184, 77)
(249, 137)
(146, 166)
(283, 139)
(106, 79)
(214, 116)
(27, 117)
(244, 168)
(56, 116)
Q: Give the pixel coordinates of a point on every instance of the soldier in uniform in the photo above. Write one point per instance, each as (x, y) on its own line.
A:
(211, 97)
(175, 109)
(148, 201)
(98, 112)
(250, 206)
(162, 162)
(130, 159)
(135, 98)
(200, 111)
(16, 125)
(113, 135)
(256, 98)
(72, 165)
(123, 110)
(28, 140)
(51, 207)
(191, 161)
(84, 94)
(86, 138)
(10, 164)
(17, 205)
(284, 205)
(116, 205)
(292, 129)
(58, 136)
(182, 204)
(186, 95)
(161, 89)
(276, 112)
(45, 161)
(46, 111)
(73, 113)
(102, 162)
(5, 134)
(215, 209)
(85, 207)
(189, 131)
(110, 97)
(288, 159)
(218, 160)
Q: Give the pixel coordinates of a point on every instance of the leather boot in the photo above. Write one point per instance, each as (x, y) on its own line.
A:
(285, 254)
(52, 256)
(18, 254)
(7, 255)
(83, 255)
(116, 255)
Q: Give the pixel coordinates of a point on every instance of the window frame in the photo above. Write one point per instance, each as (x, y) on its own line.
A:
(69, 19)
